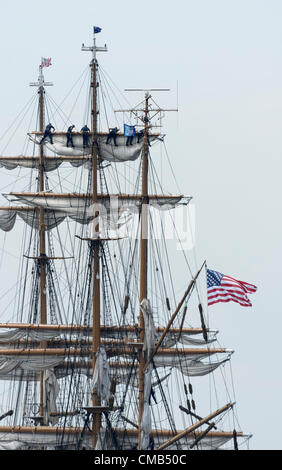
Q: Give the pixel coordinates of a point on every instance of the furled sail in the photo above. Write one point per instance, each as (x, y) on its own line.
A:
(66, 437)
(15, 334)
(82, 203)
(80, 208)
(101, 377)
(150, 340)
(9, 333)
(21, 438)
(119, 153)
(212, 441)
(50, 163)
(31, 217)
(21, 367)
(51, 391)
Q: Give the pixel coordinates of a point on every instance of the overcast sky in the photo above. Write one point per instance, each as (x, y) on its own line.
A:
(225, 142)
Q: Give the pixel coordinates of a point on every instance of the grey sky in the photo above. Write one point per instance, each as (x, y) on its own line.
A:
(225, 142)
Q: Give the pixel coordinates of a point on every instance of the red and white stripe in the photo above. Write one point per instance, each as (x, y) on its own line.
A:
(46, 62)
(231, 289)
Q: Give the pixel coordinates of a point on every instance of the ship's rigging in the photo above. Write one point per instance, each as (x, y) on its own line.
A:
(99, 352)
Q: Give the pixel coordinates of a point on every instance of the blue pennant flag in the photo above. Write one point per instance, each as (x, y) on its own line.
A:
(129, 131)
(96, 29)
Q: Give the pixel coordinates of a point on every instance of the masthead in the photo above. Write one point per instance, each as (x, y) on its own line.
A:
(41, 82)
(94, 48)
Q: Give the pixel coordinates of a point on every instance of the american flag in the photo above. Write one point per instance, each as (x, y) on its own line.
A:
(45, 62)
(223, 288)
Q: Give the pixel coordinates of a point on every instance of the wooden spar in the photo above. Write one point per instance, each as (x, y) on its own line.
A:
(47, 194)
(189, 412)
(81, 363)
(194, 427)
(158, 110)
(77, 430)
(96, 325)
(40, 327)
(65, 342)
(201, 436)
(42, 244)
(28, 342)
(143, 261)
(129, 422)
(74, 351)
(48, 257)
(35, 158)
(18, 208)
(86, 329)
(8, 413)
(43, 305)
(46, 352)
(182, 322)
(192, 283)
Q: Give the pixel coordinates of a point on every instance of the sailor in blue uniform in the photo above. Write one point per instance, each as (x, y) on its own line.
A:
(69, 136)
(85, 135)
(47, 133)
(112, 135)
(129, 140)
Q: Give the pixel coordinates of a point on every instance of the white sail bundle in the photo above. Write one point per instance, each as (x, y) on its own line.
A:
(81, 204)
(50, 163)
(31, 217)
(171, 339)
(122, 373)
(14, 334)
(101, 376)
(119, 153)
(52, 219)
(51, 392)
(192, 338)
(175, 358)
(146, 423)
(189, 368)
(17, 440)
(150, 340)
(7, 219)
(212, 441)
(114, 210)
(34, 363)
(150, 334)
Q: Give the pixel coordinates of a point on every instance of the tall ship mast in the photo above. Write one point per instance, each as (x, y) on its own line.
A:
(101, 338)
